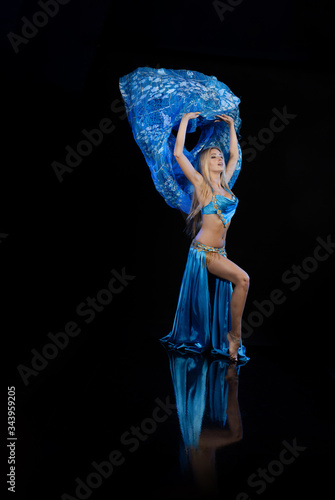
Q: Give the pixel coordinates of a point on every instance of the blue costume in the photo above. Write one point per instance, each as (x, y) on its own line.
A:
(155, 101)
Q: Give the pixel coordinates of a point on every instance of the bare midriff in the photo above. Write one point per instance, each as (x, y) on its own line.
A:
(212, 233)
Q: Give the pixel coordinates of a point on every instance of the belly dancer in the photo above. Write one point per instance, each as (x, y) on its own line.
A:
(214, 289)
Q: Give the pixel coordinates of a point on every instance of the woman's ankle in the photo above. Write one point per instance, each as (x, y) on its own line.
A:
(235, 335)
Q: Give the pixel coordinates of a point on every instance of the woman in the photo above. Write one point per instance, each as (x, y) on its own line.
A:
(209, 310)
(218, 204)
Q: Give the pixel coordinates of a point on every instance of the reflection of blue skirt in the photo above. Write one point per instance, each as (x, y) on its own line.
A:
(202, 320)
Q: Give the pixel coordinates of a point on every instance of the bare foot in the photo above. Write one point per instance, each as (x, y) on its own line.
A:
(234, 344)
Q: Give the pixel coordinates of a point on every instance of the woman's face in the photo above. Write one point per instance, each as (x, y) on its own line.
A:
(216, 161)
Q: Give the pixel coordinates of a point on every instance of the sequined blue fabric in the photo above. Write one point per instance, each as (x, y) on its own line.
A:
(155, 101)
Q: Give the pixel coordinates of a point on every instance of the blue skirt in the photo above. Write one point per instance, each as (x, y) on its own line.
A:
(202, 320)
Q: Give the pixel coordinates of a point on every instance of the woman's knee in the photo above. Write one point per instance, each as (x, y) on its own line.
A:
(243, 280)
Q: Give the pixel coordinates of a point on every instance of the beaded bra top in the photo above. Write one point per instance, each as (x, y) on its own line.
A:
(223, 206)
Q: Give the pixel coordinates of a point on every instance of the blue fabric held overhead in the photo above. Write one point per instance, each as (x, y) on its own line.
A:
(155, 101)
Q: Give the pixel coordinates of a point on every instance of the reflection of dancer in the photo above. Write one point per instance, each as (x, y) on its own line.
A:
(209, 310)
(206, 392)
(203, 457)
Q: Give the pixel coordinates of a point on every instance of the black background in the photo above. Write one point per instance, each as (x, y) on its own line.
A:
(60, 240)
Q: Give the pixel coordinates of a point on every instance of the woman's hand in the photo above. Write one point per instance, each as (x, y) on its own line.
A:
(225, 118)
(190, 116)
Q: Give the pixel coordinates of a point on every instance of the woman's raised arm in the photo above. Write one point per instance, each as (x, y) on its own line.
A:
(190, 172)
(233, 146)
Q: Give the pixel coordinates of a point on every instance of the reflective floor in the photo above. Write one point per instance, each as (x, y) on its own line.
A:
(144, 420)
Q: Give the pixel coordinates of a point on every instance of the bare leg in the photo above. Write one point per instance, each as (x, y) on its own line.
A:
(226, 269)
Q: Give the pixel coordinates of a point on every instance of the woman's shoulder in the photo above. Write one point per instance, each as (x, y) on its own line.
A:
(203, 190)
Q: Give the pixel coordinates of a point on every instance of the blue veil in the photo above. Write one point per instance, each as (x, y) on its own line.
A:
(155, 101)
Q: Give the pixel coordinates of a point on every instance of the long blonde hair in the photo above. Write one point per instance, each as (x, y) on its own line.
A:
(194, 221)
